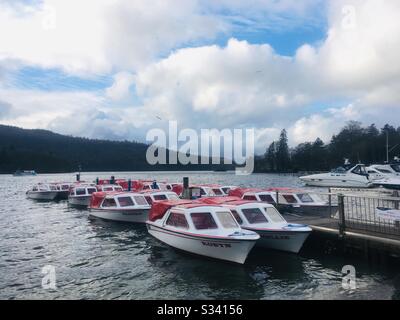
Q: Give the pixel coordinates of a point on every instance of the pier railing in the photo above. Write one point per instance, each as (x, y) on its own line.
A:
(372, 214)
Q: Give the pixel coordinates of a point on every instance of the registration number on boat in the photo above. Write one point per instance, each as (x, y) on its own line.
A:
(216, 244)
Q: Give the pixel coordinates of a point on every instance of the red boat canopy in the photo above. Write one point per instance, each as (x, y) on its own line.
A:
(218, 200)
(239, 192)
(178, 189)
(97, 198)
(159, 208)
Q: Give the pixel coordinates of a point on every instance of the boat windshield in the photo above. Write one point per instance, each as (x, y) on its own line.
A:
(266, 198)
(237, 217)
(125, 202)
(396, 167)
(109, 202)
(274, 215)
(80, 191)
(384, 170)
(159, 197)
(254, 215)
(339, 170)
(305, 197)
(289, 198)
(226, 190)
(217, 191)
(360, 170)
(203, 220)
(140, 200)
(227, 220)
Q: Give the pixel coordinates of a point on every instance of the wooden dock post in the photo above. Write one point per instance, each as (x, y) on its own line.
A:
(342, 219)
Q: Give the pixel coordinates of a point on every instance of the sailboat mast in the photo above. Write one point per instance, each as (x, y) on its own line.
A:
(387, 146)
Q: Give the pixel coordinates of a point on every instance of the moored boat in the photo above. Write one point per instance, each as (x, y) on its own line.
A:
(345, 176)
(275, 232)
(81, 194)
(289, 200)
(42, 191)
(119, 206)
(202, 229)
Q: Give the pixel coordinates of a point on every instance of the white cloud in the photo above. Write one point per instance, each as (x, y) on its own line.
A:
(121, 86)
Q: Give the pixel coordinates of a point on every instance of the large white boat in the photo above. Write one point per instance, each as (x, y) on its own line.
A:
(289, 200)
(275, 232)
(42, 191)
(81, 194)
(345, 176)
(202, 229)
(119, 206)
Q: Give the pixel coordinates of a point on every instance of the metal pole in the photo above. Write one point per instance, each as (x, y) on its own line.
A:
(342, 220)
(330, 201)
(129, 184)
(186, 190)
(387, 146)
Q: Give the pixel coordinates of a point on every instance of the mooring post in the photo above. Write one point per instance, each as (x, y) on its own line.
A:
(78, 177)
(97, 181)
(330, 201)
(186, 191)
(342, 220)
(112, 180)
(129, 184)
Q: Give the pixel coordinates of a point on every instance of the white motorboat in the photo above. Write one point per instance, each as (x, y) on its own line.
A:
(289, 200)
(42, 191)
(63, 189)
(152, 195)
(275, 232)
(119, 206)
(81, 194)
(202, 229)
(344, 176)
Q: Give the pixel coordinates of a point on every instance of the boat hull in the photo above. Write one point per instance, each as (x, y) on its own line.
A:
(324, 211)
(337, 183)
(219, 248)
(43, 195)
(82, 201)
(289, 241)
(132, 215)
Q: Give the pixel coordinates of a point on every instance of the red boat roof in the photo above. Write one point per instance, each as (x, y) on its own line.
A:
(218, 200)
(159, 208)
(239, 192)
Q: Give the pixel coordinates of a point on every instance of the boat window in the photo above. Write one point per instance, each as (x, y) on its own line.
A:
(159, 197)
(227, 220)
(203, 220)
(266, 198)
(226, 190)
(289, 198)
(65, 187)
(125, 201)
(217, 191)
(173, 197)
(35, 189)
(107, 203)
(384, 170)
(107, 189)
(305, 197)
(202, 192)
(254, 215)
(148, 199)
(80, 191)
(91, 190)
(168, 187)
(249, 198)
(118, 189)
(237, 217)
(140, 200)
(146, 187)
(177, 220)
(274, 215)
(52, 187)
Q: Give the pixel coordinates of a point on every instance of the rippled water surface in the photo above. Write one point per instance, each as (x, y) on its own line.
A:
(95, 259)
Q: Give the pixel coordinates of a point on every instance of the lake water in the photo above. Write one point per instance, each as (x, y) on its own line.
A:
(95, 259)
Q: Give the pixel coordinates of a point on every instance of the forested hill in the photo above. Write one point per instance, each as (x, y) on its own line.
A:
(45, 151)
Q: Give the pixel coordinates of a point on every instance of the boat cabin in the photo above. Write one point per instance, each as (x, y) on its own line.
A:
(118, 200)
(82, 190)
(44, 187)
(110, 188)
(152, 195)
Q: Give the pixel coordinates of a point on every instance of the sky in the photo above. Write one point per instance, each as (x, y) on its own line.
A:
(114, 69)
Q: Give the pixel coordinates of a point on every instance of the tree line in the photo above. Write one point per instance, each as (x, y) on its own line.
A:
(354, 142)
